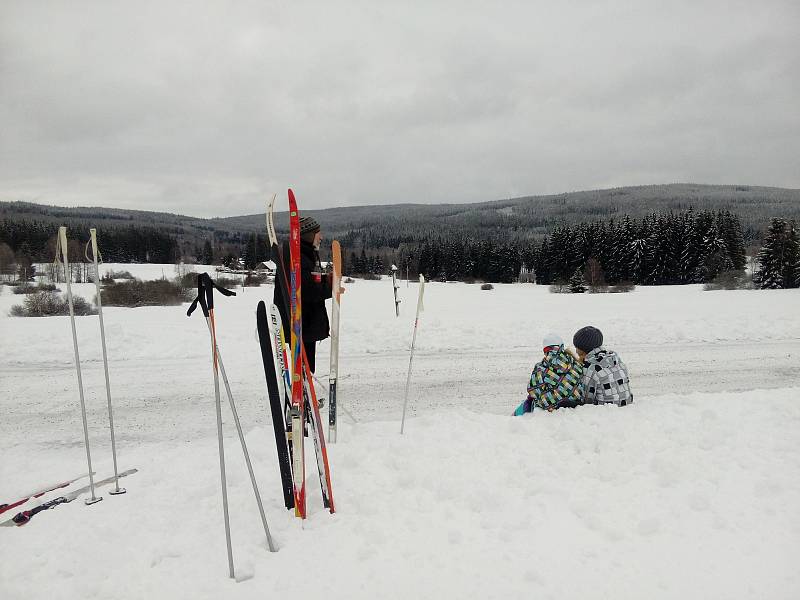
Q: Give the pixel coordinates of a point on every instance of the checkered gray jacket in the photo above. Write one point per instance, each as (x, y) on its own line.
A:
(605, 378)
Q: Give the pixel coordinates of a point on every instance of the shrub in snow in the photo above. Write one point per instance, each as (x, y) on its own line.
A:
(253, 279)
(48, 303)
(598, 289)
(27, 288)
(730, 280)
(349, 280)
(226, 282)
(146, 293)
(111, 275)
(559, 286)
(487, 286)
(189, 282)
(622, 287)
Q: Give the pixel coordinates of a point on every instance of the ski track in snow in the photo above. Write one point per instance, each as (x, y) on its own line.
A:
(689, 493)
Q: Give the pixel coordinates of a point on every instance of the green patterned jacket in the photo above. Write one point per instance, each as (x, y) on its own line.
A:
(557, 380)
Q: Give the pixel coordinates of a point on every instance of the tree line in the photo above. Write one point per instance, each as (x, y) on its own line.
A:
(669, 248)
(659, 249)
(36, 240)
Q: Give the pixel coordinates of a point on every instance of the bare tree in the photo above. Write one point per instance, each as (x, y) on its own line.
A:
(595, 277)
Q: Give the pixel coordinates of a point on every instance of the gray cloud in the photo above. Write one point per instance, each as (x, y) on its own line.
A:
(206, 108)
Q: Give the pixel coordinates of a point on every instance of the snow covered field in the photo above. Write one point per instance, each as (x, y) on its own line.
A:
(692, 492)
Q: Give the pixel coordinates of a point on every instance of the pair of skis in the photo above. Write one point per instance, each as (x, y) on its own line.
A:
(23, 517)
(40, 492)
(299, 397)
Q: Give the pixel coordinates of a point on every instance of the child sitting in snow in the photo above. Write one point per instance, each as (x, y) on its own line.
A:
(605, 376)
(555, 381)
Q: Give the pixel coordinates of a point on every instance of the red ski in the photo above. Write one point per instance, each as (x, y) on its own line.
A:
(298, 457)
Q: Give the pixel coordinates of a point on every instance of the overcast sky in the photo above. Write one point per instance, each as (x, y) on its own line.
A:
(206, 108)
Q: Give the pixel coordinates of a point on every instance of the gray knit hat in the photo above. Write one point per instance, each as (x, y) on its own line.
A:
(308, 225)
(587, 338)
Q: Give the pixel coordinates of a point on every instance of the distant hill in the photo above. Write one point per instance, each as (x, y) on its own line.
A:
(528, 217)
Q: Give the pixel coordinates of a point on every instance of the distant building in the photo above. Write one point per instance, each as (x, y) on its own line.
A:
(268, 266)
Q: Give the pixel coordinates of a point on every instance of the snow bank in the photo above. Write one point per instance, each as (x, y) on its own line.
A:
(687, 497)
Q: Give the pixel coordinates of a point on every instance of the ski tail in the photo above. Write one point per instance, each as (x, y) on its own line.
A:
(320, 449)
(276, 404)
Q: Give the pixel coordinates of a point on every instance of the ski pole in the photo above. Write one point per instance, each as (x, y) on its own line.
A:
(93, 241)
(413, 342)
(244, 447)
(62, 246)
(205, 298)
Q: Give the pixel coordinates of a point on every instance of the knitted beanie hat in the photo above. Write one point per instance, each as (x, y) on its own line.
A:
(308, 225)
(552, 339)
(587, 338)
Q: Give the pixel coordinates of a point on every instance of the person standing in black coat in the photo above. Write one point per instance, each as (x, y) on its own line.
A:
(315, 289)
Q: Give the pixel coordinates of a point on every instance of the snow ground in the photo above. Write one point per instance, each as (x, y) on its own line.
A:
(689, 493)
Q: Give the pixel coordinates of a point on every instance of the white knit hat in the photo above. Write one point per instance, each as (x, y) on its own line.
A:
(552, 339)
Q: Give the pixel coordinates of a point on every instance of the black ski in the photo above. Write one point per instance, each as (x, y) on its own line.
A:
(275, 404)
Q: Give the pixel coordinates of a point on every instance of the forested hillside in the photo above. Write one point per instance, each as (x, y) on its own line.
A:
(488, 240)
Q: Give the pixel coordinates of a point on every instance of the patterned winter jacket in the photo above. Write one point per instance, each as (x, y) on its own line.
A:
(605, 378)
(556, 380)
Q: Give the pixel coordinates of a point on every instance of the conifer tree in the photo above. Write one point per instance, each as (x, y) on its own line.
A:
(542, 265)
(361, 265)
(577, 283)
(207, 256)
(772, 257)
(690, 247)
(730, 229)
(249, 257)
(638, 252)
(792, 260)
(623, 253)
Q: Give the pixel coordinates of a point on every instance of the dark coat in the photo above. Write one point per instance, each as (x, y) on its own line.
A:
(315, 289)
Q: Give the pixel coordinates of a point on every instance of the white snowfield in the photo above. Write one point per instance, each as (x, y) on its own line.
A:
(691, 492)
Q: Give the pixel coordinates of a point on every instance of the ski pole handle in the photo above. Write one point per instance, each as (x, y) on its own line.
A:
(205, 294)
